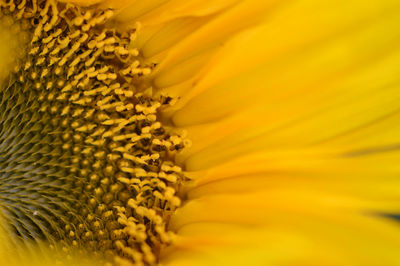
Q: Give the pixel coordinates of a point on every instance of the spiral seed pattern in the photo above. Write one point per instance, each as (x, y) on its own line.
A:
(84, 159)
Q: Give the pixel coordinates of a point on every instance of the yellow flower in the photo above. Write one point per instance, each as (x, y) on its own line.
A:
(227, 132)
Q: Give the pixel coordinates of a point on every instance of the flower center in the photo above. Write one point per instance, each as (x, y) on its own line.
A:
(83, 158)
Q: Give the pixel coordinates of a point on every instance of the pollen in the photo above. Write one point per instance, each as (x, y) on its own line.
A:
(84, 160)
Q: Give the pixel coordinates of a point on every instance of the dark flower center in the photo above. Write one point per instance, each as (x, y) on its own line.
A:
(84, 160)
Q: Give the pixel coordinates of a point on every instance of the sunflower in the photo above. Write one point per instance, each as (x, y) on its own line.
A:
(229, 132)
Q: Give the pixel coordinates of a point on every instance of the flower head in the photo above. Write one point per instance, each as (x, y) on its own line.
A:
(200, 133)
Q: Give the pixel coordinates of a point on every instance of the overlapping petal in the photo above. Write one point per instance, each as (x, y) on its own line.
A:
(292, 110)
(293, 121)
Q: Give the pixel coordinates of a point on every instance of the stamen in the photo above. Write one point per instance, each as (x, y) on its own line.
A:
(86, 161)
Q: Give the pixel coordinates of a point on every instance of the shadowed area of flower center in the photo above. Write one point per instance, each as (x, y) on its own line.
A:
(83, 158)
(36, 183)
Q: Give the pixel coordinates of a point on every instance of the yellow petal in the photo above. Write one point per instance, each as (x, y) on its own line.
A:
(161, 11)
(296, 104)
(212, 35)
(169, 34)
(296, 241)
(287, 226)
(261, 207)
(311, 24)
